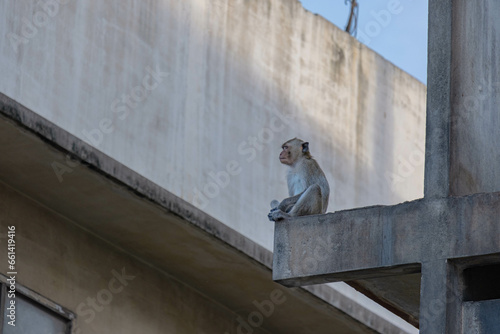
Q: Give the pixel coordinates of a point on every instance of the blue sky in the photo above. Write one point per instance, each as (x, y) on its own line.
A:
(396, 29)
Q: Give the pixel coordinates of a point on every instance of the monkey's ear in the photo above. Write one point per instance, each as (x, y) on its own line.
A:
(305, 147)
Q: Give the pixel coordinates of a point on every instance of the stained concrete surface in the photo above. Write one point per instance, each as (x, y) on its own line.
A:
(232, 80)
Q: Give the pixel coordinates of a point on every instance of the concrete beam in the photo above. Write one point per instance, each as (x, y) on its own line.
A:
(384, 240)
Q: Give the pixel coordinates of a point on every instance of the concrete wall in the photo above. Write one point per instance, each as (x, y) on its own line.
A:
(186, 92)
(61, 261)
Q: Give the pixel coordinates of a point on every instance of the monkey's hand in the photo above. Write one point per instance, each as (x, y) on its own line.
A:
(277, 214)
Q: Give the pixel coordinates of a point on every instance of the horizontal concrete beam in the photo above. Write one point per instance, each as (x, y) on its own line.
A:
(384, 240)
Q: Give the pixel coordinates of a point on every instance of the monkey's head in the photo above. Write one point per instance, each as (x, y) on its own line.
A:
(294, 150)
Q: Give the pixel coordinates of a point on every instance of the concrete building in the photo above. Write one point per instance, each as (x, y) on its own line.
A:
(139, 157)
(435, 260)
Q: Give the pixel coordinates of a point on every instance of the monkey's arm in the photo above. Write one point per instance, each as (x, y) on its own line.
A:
(287, 204)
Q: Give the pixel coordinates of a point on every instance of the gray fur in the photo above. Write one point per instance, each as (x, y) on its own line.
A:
(307, 187)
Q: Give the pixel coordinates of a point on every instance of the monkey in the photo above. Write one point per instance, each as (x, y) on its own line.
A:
(307, 184)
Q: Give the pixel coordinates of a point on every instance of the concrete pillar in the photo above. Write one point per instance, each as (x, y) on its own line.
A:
(437, 161)
(463, 118)
(475, 96)
(433, 298)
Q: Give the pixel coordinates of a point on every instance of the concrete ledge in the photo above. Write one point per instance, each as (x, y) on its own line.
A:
(386, 238)
(376, 242)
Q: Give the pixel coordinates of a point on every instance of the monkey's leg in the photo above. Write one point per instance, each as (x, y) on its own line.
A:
(309, 203)
(276, 212)
(279, 210)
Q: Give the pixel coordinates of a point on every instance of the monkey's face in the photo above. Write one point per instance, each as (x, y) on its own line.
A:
(286, 156)
(294, 150)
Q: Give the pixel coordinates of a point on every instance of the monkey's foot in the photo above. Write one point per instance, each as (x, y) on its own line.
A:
(276, 215)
